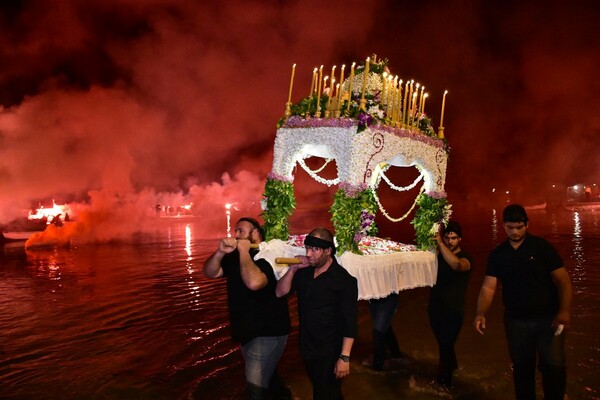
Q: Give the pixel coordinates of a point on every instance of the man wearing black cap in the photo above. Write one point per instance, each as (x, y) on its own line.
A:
(328, 313)
(446, 307)
(536, 290)
(259, 320)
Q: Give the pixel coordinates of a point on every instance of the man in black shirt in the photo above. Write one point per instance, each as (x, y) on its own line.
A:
(536, 290)
(259, 320)
(328, 313)
(447, 298)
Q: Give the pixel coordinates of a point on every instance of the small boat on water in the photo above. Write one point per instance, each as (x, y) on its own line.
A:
(21, 229)
(16, 235)
(535, 207)
(583, 206)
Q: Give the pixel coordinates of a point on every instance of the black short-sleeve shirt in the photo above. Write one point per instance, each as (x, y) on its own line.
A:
(253, 313)
(527, 287)
(450, 289)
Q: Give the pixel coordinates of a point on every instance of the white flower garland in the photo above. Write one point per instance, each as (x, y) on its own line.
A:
(384, 212)
(327, 161)
(313, 174)
(398, 188)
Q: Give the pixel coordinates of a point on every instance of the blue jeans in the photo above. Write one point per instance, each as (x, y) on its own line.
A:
(382, 311)
(534, 340)
(261, 356)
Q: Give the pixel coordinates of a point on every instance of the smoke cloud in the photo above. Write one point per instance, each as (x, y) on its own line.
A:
(117, 105)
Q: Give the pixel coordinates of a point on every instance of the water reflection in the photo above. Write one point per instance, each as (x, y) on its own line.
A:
(494, 226)
(46, 265)
(554, 224)
(578, 255)
(194, 288)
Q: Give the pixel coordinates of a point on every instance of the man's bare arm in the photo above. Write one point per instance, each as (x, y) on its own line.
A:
(484, 301)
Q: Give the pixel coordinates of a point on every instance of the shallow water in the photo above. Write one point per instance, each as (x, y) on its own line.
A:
(139, 321)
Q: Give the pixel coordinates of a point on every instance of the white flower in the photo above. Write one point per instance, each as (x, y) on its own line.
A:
(263, 203)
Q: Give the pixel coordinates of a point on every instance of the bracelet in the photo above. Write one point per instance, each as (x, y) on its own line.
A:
(344, 358)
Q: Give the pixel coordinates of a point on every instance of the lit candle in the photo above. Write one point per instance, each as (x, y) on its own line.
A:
(414, 103)
(399, 104)
(443, 105)
(383, 92)
(409, 110)
(319, 91)
(413, 113)
(394, 105)
(391, 94)
(313, 83)
(331, 92)
(405, 105)
(365, 73)
(339, 92)
(424, 98)
(351, 82)
(391, 89)
(421, 100)
(291, 83)
(332, 73)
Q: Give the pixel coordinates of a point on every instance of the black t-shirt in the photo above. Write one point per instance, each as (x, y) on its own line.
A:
(448, 294)
(527, 287)
(253, 313)
(327, 310)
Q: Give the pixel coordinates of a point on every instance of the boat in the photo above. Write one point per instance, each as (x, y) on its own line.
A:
(17, 235)
(535, 207)
(583, 206)
(21, 229)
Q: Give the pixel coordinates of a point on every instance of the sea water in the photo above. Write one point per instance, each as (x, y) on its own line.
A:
(138, 320)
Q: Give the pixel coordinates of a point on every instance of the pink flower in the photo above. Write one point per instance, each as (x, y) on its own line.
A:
(437, 195)
(276, 177)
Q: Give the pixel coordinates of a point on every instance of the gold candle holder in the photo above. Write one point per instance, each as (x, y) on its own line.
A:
(288, 110)
(441, 132)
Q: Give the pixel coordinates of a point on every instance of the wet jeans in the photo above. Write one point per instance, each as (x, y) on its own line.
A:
(261, 356)
(382, 311)
(534, 340)
(446, 327)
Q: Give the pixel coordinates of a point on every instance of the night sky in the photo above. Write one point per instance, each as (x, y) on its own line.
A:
(170, 98)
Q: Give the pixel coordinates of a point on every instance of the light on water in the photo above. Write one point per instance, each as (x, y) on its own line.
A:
(139, 320)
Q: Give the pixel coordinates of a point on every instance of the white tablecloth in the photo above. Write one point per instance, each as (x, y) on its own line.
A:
(378, 275)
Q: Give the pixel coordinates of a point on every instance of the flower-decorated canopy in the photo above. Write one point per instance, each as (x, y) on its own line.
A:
(361, 156)
(368, 126)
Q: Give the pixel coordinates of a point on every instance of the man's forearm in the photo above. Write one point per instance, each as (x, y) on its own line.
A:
(253, 277)
(484, 301)
(347, 343)
(284, 285)
(212, 266)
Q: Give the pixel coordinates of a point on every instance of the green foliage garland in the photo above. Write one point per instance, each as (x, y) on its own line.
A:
(432, 210)
(346, 213)
(280, 205)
